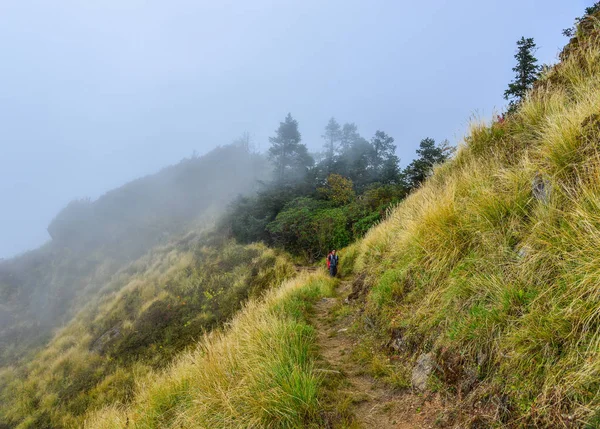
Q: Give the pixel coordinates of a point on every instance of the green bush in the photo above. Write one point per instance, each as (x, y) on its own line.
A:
(310, 228)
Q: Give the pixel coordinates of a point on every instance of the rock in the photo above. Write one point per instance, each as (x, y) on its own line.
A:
(421, 371)
(100, 345)
(359, 287)
(397, 342)
(541, 188)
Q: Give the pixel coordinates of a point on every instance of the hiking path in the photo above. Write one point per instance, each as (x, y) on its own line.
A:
(373, 404)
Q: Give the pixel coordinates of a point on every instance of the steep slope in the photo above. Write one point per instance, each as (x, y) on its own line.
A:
(154, 309)
(367, 392)
(492, 268)
(260, 373)
(487, 277)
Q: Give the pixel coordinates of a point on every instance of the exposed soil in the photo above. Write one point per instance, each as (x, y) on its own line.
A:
(373, 403)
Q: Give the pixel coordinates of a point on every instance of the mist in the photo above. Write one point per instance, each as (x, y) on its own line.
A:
(93, 240)
(96, 94)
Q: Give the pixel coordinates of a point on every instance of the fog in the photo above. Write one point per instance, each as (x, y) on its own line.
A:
(98, 93)
(93, 240)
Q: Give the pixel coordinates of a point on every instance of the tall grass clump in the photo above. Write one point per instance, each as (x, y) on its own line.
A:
(259, 372)
(492, 265)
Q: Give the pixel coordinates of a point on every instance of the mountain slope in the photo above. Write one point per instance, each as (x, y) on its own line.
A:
(93, 240)
(492, 266)
(155, 309)
(489, 271)
(485, 279)
(260, 373)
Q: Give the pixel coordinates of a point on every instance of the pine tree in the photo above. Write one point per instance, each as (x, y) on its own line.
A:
(332, 136)
(429, 154)
(390, 171)
(526, 72)
(355, 154)
(349, 136)
(383, 156)
(355, 162)
(291, 158)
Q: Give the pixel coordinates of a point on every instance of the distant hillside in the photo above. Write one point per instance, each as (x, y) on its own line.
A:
(92, 240)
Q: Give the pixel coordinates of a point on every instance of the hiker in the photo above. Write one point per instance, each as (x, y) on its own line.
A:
(328, 262)
(332, 263)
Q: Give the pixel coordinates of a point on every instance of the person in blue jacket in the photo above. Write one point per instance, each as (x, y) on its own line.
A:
(332, 262)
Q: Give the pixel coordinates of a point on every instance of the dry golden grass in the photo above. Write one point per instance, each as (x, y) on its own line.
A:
(495, 281)
(258, 372)
(193, 290)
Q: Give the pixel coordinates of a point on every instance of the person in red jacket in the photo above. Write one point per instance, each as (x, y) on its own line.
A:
(328, 255)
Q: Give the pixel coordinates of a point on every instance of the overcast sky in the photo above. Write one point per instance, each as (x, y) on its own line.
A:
(99, 92)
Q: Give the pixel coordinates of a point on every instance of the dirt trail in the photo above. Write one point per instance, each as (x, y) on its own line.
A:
(374, 405)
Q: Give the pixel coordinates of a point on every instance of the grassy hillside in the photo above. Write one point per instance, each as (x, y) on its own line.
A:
(154, 309)
(92, 240)
(493, 265)
(259, 373)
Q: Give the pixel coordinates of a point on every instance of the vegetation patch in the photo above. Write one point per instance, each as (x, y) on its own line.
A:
(160, 312)
(492, 265)
(258, 372)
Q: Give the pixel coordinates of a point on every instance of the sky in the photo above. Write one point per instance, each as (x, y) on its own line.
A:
(94, 94)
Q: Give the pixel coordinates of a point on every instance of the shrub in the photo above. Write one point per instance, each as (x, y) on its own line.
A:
(338, 189)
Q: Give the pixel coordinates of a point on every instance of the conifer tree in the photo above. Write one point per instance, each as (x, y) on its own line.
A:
(429, 154)
(355, 162)
(349, 136)
(355, 155)
(526, 72)
(291, 158)
(383, 157)
(332, 136)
